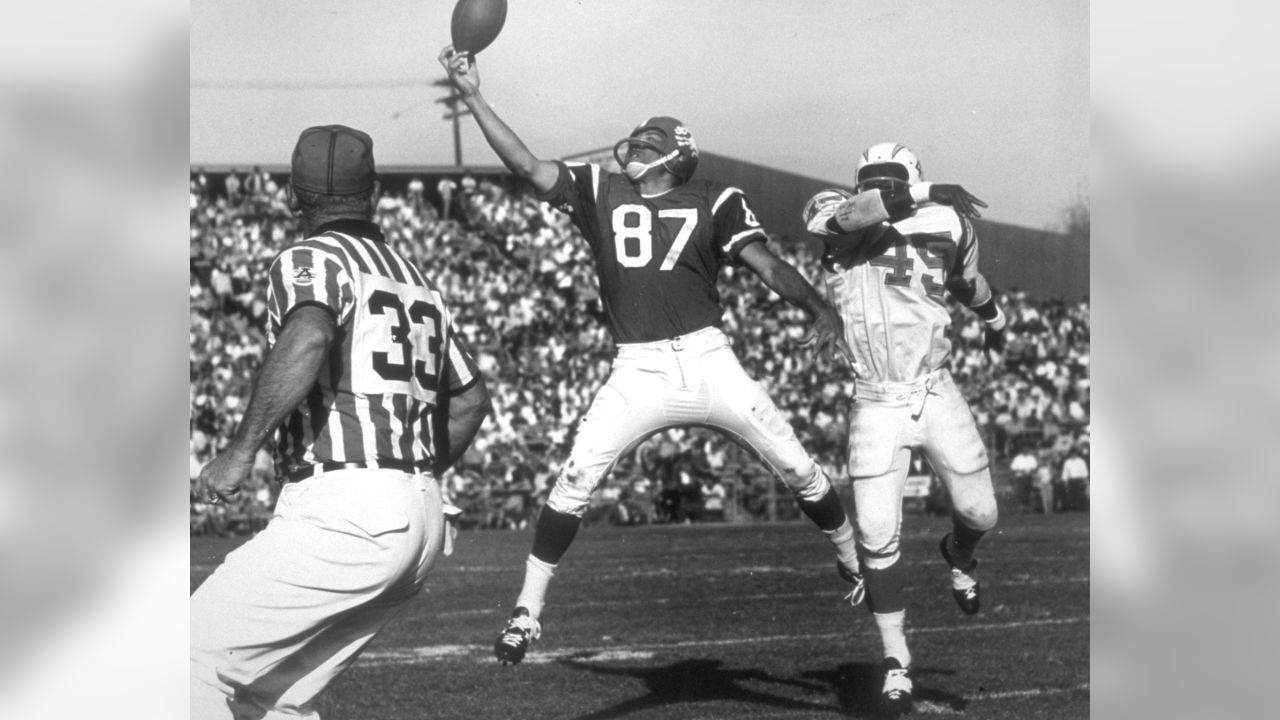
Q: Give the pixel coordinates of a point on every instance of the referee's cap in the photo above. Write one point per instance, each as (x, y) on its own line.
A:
(333, 160)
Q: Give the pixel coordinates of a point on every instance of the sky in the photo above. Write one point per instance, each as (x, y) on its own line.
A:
(993, 95)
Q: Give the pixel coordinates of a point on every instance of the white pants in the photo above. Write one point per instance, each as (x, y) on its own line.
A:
(887, 421)
(694, 379)
(290, 610)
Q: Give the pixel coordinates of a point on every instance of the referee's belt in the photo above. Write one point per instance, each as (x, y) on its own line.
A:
(318, 469)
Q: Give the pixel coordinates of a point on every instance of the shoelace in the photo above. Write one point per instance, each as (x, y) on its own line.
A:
(855, 596)
(526, 626)
(961, 580)
(897, 683)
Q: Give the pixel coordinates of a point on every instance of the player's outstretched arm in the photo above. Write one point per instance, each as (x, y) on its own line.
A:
(834, 212)
(464, 75)
(963, 201)
(827, 331)
(289, 371)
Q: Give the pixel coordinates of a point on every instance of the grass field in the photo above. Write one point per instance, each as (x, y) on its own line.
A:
(727, 621)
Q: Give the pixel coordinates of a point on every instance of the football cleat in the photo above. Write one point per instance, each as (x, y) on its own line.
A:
(859, 590)
(964, 587)
(521, 630)
(895, 695)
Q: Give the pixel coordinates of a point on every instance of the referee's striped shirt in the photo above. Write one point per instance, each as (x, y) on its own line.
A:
(397, 350)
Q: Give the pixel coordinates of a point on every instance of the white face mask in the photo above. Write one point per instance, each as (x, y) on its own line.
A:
(636, 169)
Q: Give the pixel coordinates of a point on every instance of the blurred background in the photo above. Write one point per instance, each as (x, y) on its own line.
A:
(95, 103)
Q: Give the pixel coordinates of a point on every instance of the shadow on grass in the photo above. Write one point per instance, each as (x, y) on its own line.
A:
(857, 688)
(694, 681)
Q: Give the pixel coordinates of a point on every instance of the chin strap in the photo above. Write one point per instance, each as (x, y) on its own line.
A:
(636, 169)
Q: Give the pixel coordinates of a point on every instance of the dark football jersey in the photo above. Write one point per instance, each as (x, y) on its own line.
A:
(657, 258)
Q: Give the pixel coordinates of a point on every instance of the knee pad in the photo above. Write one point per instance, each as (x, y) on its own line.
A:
(571, 493)
(878, 546)
(973, 500)
(808, 483)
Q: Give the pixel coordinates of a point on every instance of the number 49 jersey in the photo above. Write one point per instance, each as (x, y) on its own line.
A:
(888, 282)
(396, 350)
(657, 258)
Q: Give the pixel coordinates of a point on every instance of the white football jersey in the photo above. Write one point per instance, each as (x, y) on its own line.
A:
(888, 283)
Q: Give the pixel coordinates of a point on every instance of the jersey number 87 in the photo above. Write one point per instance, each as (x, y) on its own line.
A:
(634, 223)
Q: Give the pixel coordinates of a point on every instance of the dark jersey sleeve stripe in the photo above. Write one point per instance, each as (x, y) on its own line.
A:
(349, 247)
(391, 260)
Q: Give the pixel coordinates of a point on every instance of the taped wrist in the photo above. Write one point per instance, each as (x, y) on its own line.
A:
(858, 212)
(920, 192)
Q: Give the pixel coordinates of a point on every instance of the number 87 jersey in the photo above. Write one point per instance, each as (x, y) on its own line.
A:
(657, 257)
(396, 350)
(888, 283)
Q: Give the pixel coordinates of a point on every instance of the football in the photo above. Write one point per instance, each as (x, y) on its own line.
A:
(476, 24)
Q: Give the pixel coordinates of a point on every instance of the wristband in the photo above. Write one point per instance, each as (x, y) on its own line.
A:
(920, 192)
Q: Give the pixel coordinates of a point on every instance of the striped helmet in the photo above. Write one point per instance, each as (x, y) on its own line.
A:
(884, 165)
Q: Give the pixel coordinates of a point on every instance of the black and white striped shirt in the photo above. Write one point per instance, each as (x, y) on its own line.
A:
(397, 350)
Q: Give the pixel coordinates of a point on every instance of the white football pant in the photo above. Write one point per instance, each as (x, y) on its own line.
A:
(290, 610)
(694, 379)
(887, 420)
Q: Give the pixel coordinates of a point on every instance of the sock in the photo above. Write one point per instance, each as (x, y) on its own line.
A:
(893, 634)
(537, 575)
(846, 548)
(885, 588)
(827, 512)
(964, 540)
(553, 535)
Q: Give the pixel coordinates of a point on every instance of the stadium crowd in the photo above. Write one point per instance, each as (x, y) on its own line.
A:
(523, 292)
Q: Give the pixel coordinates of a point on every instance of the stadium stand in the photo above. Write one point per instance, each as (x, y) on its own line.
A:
(524, 292)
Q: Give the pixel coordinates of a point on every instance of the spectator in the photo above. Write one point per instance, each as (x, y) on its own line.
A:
(446, 188)
(232, 186)
(713, 495)
(531, 315)
(1044, 485)
(1024, 468)
(1075, 476)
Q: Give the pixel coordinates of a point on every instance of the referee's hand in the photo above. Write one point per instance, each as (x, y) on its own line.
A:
(224, 475)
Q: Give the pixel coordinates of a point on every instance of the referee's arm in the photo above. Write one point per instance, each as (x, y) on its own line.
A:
(287, 374)
(463, 414)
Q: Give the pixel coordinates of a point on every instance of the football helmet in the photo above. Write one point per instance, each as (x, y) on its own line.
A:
(886, 165)
(677, 152)
(823, 200)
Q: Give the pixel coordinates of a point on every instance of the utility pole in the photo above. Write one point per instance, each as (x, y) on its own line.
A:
(453, 101)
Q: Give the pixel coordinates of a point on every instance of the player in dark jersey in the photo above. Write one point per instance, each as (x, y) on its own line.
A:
(659, 240)
(373, 394)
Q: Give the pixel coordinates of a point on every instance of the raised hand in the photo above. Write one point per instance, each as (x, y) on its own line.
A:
(964, 202)
(462, 70)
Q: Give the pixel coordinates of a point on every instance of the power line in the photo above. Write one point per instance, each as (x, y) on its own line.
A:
(307, 84)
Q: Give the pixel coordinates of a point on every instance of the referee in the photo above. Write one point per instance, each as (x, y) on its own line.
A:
(373, 395)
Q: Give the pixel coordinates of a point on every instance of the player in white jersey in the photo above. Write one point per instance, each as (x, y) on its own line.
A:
(374, 395)
(891, 251)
